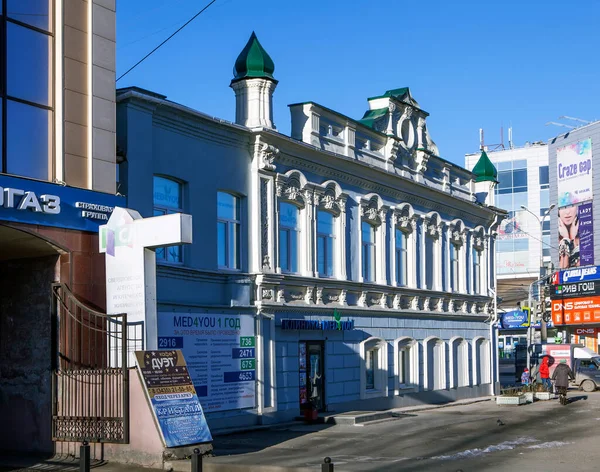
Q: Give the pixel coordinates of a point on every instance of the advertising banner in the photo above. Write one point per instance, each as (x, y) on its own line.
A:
(580, 274)
(221, 354)
(575, 236)
(516, 262)
(576, 290)
(175, 404)
(574, 173)
(576, 311)
(515, 319)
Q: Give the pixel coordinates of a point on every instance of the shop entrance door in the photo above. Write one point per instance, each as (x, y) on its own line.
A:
(312, 374)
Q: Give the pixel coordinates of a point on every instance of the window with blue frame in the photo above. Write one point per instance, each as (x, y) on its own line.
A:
(325, 243)
(429, 261)
(26, 88)
(401, 257)
(368, 251)
(476, 261)
(289, 230)
(228, 231)
(454, 268)
(168, 199)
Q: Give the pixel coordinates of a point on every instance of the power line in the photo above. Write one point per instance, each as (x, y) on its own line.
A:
(158, 47)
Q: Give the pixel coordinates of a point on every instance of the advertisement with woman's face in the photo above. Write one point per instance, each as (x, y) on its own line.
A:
(575, 236)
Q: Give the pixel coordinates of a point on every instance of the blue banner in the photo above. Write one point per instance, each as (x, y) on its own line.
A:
(46, 204)
(578, 274)
(515, 319)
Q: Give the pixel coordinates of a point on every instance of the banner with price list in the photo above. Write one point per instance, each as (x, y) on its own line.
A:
(174, 401)
(220, 351)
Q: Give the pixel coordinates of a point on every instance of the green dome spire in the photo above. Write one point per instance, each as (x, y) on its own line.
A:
(484, 170)
(253, 62)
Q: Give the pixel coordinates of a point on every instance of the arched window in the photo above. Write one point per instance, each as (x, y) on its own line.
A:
(476, 260)
(481, 361)
(168, 199)
(406, 363)
(369, 252)
(374, 368)
(289, 231)
(325, 243)
(459, 364)
(435, 363)
(228, 231)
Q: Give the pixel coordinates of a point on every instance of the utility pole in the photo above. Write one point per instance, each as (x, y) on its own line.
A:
(542, 276)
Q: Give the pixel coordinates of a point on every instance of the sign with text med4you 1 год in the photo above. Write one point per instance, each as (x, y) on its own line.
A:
(576, 311)
(578, 274)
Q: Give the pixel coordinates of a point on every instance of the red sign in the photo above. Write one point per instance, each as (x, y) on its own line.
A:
(575, 311)
(586, 331)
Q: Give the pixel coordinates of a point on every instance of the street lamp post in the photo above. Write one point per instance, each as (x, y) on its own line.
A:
(543, 329)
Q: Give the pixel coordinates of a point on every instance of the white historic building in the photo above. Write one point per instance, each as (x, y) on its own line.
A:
(365, 260)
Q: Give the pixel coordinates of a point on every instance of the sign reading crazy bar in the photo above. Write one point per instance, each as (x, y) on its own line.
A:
(576, 275)
(173, 398)
(579, 289)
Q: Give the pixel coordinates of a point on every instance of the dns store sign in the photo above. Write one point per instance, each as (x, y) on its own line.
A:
(576, 311)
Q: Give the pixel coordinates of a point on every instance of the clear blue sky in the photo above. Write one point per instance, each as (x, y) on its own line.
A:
(470, 64)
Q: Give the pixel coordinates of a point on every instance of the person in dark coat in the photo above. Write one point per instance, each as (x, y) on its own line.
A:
(545, 373)
(561, 377)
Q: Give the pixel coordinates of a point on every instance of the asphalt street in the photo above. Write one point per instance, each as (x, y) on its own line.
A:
(544, 436)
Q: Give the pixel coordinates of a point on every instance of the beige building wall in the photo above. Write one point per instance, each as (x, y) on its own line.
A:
(85, 51)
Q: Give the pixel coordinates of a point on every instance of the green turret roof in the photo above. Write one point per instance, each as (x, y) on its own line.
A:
(484, 170)
(253, 62)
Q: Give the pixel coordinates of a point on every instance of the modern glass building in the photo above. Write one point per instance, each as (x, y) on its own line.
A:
(57, 184)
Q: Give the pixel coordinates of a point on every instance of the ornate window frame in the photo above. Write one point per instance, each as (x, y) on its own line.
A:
(380, 346)
(292, 187)
(411, 347)
(373, 211)
(404, 219)
(329, 197)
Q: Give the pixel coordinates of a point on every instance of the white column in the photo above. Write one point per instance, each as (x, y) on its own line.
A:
(448, 262)
(313, 203)
(437, 267)
(260, 365)
(485, 254)
(463, 267)
(360, 277)
(423, 261)
(392, 257)
(341, 245)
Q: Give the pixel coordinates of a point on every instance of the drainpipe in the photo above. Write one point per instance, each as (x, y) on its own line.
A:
(494, 358)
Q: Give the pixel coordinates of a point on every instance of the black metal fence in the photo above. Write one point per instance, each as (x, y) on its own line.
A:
(90, 376)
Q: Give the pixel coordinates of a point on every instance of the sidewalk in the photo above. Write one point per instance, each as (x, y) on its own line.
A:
(230, 445)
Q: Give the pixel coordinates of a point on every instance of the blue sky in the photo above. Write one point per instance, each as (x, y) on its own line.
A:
(470, 64)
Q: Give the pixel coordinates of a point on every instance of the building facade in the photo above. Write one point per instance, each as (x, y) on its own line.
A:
(57, 183)
(347, 266)
(523, 244)
(575, 302)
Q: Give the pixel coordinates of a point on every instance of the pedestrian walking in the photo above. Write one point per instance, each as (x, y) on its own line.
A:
(525, 377)
(545, 373)
(561, 377)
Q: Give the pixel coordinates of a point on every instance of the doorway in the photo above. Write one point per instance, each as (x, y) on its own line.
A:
(312, 374)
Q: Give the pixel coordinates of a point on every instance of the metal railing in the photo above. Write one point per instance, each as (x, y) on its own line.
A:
(90, 375)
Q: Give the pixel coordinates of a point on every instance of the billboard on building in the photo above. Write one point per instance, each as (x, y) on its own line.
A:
(574, 173)
(512, 262)
(575, 236)
(576, 311)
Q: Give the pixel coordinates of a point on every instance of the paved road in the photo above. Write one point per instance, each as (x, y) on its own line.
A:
(544, 436)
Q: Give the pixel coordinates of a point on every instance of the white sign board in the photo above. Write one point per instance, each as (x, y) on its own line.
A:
(128, 241)
(220, 351)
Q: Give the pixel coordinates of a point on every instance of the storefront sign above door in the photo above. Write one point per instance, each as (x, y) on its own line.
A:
(46, 204)
(323, 325)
